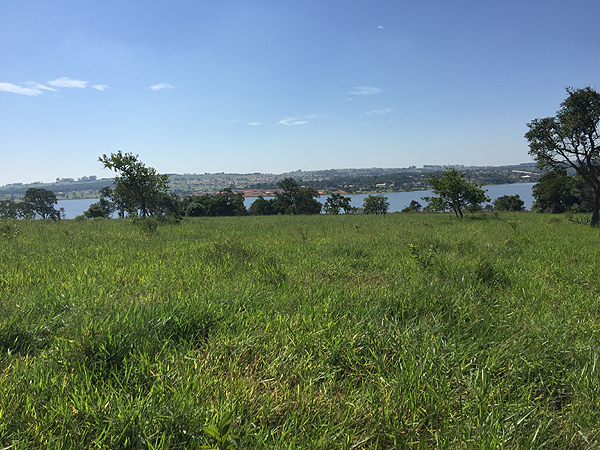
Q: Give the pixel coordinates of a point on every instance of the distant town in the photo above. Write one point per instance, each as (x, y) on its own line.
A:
(346, 181)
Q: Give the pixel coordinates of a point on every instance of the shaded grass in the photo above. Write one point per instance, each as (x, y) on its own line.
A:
(403, 331)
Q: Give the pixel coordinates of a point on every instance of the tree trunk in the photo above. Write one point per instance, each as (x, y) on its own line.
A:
(595, 206)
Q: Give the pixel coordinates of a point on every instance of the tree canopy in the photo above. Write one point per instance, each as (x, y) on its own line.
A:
(295, 199)
(336, 202)
(454, 191)
(376, 204)
(570, 140)
(10, 209)
(557, 192)
(414, 206)
(40, 202)
(509, 203)
(138, 189)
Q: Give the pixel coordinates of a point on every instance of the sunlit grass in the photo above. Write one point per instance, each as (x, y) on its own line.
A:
(403, 331)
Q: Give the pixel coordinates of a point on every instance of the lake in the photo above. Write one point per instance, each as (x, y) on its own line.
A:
(398, 200)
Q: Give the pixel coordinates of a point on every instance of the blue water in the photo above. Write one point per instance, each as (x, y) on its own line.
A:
(398, 200)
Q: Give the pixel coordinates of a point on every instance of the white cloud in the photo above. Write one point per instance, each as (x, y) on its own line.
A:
(291, 121)
(9, 87)
(40, 86)
(365, 90)
(160, 86)
(67, 82)
(254, 123)
(378, 112)
(100, 87)
(381, 27)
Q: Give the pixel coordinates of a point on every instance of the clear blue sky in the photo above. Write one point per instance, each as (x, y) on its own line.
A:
(275, 86)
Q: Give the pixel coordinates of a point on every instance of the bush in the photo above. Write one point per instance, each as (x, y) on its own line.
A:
(376, 204)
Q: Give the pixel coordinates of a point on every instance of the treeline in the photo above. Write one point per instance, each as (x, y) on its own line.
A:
(62, 188)
(291, 198)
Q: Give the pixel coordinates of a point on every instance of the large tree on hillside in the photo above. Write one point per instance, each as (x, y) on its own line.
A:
(138, 188)
(570, 140)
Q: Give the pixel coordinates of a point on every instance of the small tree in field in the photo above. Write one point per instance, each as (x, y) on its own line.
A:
(454, 192)
(414, 206)
(295, 199)
(336, 202)
(138, 188)
(376, 204)
(509, 203)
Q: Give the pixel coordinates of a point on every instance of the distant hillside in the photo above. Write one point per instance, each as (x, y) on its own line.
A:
(346, 180)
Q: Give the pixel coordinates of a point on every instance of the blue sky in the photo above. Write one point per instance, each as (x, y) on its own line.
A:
(275, 86)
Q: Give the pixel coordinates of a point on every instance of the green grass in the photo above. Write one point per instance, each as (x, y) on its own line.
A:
(334, 332)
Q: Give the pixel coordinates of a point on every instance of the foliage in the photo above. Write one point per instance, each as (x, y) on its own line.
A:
(336, 203)
(453, 192)
(509, 203)
(295, 199)
(10, 209)
(424, 259)
(221, 433)
(414, 206)
(261, 207)
(104, 207)
(571, 140)
(376, 204)
(291, 198)
(557, 192)
(225, 203)
(40, 202)
(139, 189)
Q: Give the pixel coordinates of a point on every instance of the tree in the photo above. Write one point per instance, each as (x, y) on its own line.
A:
(376, 204)
(414, 206)
(509, 203)
(454, 191)
(103, 207)
(227, 203)
(40, 202)
(557, 192)
(295, 199)
(336, 202)
(570, 140)
(261, 207)
(138, 188)
(10, 209)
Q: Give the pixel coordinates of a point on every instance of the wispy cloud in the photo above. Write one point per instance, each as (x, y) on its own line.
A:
(254, 123)
(381, 27)
(15, 89)
(40, 86)
(365, 90)
(35, 88)
(292, 121)
(159, 86)
(378, 112)
(68, 82)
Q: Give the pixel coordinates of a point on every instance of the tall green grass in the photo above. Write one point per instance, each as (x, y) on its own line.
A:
(397, 331)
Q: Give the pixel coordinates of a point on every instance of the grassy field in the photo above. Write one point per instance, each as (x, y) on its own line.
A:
(333, 332)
